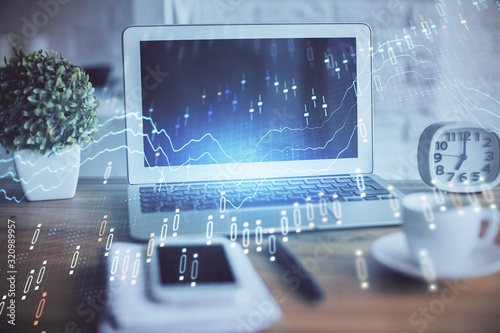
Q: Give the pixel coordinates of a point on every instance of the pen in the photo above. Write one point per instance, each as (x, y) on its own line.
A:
(295, 276)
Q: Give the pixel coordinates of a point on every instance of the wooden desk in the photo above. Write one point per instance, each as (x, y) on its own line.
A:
(391, 303)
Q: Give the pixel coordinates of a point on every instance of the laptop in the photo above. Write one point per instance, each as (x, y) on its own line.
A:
(248, 130)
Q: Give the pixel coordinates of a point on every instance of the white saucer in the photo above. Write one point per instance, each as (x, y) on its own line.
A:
(392, 251)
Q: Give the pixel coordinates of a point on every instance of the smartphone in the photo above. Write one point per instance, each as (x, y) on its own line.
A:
(187, 270)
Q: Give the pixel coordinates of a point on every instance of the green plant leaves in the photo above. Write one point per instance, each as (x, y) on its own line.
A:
(46, 103)
(27, 90)
(42, 143)
(32, 99)
(59, 82)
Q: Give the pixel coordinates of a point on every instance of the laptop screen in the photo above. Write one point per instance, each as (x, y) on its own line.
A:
(248, 100)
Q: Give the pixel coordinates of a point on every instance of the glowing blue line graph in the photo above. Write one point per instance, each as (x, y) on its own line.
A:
(466, 103)
(155, 131)
(286, 128)
(313, 148)
(445, 83)
(124, 146)
(374, 54)
(275, 173)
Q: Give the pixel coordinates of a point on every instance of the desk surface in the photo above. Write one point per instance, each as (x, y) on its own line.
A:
(391, 303)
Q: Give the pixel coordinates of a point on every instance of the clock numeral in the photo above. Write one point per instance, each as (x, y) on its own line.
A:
(486, 168)
(439, 170)
(437, 157)
(475, 176)
(462, 177)
(462, 136)
(443, 145)
(488, 142)
(489, 156)
(476, 134)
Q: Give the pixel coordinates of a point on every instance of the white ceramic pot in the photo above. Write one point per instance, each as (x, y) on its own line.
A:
(48, 177)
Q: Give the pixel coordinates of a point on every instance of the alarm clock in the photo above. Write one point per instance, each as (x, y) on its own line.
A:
(459, 157)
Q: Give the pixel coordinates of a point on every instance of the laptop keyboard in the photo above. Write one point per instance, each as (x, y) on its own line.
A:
(259, 193)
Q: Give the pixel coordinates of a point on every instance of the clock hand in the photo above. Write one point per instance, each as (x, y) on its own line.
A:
(459, 164)
(465, 148)
(463, 157)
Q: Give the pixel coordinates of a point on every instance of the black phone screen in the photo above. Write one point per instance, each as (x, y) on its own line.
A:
(194, 265)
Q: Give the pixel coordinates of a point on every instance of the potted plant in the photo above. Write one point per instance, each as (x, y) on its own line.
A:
(47, 111)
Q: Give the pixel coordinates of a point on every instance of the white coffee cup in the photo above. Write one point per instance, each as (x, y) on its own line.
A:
(446, 229)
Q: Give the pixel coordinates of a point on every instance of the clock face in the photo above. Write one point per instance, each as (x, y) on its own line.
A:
(464, 157)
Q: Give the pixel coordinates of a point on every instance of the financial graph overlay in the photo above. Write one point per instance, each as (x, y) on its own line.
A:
(441, 63)
(436, 62)
(252, 100)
